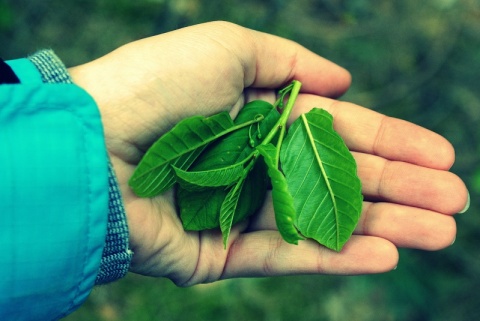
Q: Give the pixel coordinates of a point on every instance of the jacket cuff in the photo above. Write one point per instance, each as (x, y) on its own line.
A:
(116, 255)
(51, 68)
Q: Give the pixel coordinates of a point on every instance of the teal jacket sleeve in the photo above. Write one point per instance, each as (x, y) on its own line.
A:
(117, 255)
(53, 197)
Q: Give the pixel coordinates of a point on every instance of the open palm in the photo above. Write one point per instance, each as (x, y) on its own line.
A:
(146, 87)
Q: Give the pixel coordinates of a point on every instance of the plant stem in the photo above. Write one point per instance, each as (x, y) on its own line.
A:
(282, 121)
(283, 129)
(281, 124)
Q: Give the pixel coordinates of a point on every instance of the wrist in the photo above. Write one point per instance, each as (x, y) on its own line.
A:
(116, 255)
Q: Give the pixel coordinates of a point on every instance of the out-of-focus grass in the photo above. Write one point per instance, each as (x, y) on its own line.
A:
(285, 298)
(417, 60)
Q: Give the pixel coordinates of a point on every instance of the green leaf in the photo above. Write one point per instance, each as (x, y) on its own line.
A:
(322, 178)
(282, 200)
(200, 210)
(229, 208)
(179, 147)
(254, 191)
(198, 180)
(256, 107)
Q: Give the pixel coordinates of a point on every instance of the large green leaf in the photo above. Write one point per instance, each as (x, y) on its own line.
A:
(285, 214)
(179, 147)
(322, 178)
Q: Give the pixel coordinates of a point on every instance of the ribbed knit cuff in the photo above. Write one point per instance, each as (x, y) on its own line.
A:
(51, 67)
(116, 255)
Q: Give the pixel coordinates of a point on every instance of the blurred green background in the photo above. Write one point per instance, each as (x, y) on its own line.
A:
(417, 60)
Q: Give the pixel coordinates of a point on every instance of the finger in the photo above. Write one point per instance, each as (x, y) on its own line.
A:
(367, 131)
(273, 61)
(402, 225)
(407, 226)
(269, 255)
(412, 185)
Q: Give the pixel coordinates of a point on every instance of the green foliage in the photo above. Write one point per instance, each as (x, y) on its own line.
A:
(210, 207)
(6, 16)
(177, 150)
(199, 180)
(322, 178)
(319, 170)
(476, 181)
(285, 214)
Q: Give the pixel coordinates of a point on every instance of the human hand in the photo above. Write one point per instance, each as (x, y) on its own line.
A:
(144, 88)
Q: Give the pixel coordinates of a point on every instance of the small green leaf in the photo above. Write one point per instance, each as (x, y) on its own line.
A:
(322, 178)
(253, 108)
(179, 147)
(198, 180)
(229, 208)
(282, 200)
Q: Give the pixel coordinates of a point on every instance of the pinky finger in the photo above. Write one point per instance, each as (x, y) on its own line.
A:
(269, 255)
(406, 226)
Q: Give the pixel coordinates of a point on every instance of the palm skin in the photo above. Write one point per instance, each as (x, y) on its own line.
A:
(145, 87)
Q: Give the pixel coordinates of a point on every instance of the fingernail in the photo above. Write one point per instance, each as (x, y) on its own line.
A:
(395, 268)
(467, 205)
(454, 239)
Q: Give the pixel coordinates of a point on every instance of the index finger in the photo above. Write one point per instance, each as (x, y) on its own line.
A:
(367, 131)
